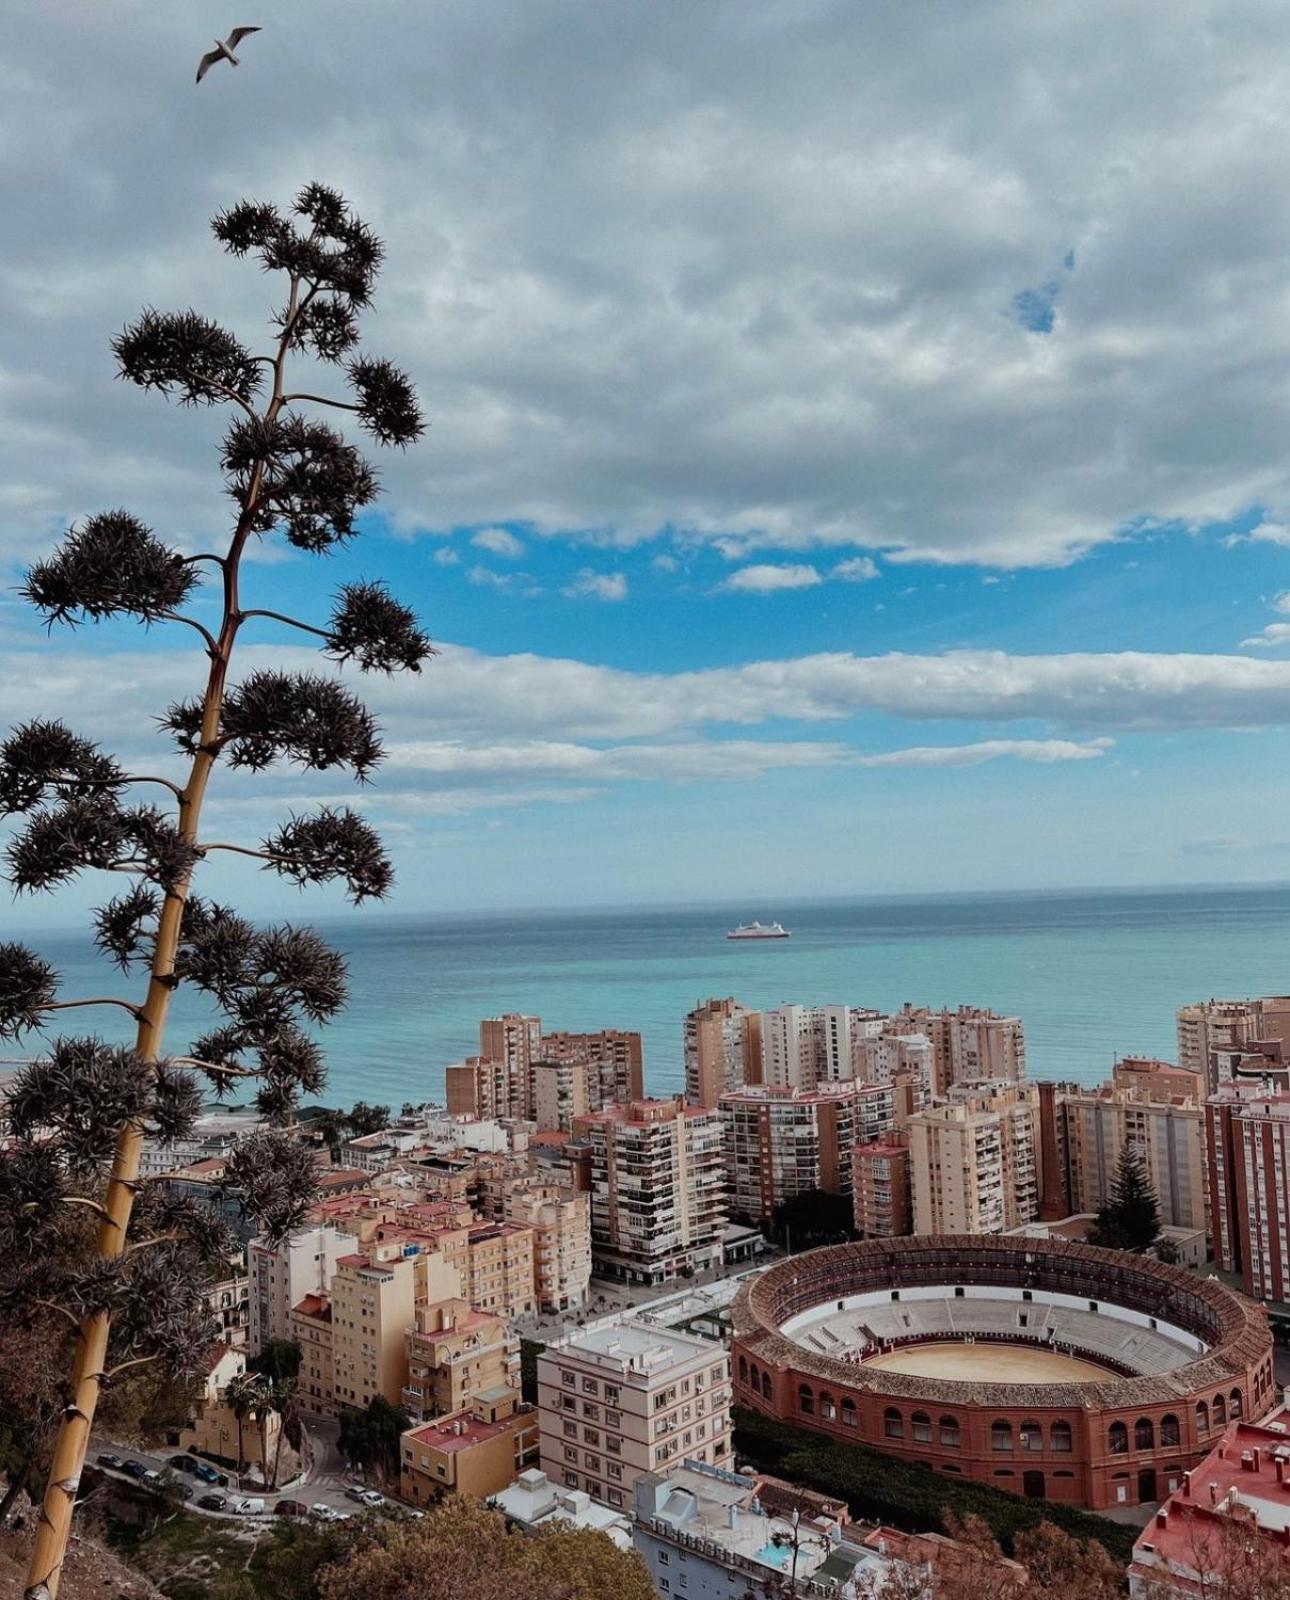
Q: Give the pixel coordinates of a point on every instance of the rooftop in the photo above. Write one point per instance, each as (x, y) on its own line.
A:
(536, 1502)
(460, 1430)
(628, 1346)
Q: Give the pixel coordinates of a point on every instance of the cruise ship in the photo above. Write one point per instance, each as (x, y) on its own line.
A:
(758, 930)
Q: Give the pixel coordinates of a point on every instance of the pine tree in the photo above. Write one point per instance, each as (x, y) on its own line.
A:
(1130, 1218)
(76, 1118)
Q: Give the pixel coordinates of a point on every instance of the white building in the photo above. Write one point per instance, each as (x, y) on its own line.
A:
(534, 1502)
(283, 1274)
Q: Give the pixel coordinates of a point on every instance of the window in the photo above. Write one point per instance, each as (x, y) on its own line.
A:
(828, 1411)
(1032, 1436)
(1169, 1430)
(570, 1454)
(1117, 1439)
(566, 1378)
(1059, 1438)
(921, 1426)
(1144, 1434)
(571, 1430)
(848, 1413)
(765, 1386)
(893, 1424)
(950, 1432)
(664, 1560)
(1001, 1435)
(1235, 1408)
(805, 1400)
(589, 1386)
(1202, 1417)
(743, 1369)
(1220, 1411)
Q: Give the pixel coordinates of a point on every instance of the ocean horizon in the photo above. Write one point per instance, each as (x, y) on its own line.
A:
(1094, 974)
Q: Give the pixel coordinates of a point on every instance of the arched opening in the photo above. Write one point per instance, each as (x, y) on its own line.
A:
(1031, 1435)
(828, 1411)
(921, 1427)
(1147, 1486)
(848, 1413)
(1001, 1435)
(1234, 1408)
(743, 1369)
(950, 1432)
(1059, 1438)
(1032, 1485)
(893, 1424)
(1202, 1417)
(805, 1400)
(765, 1386)
(1144, 1434)
(1220, 1411)
(1004, 1472)
(1117, 1439)
(1170, 1433)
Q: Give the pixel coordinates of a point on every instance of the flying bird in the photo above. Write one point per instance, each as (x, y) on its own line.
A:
(223, 51)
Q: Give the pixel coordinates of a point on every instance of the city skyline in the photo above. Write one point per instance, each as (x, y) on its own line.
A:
(883, 547)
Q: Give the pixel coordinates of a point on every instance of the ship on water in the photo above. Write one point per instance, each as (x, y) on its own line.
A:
(758, 930)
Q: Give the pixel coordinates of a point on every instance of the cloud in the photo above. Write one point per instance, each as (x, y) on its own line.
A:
(665, 563)
(498, 542)
(446, 556)
(694, 761)
(772, 579)
(1266, 532)
(693, 270)
(520, 583)
(1043, 751)
(858, 569)
(597, 585)
(1276, 633)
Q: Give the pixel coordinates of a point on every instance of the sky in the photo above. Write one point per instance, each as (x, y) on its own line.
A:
(857, 451)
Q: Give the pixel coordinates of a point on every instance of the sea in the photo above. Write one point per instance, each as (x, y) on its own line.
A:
(1093, 975)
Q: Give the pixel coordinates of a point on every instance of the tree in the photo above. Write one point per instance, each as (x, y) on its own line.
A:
(369, 1437)
(278, 1359)
(362, 1118)
(75, 1120)
(816, 1217)
(240, 1396)
(1130, 1218)
(464, 1548)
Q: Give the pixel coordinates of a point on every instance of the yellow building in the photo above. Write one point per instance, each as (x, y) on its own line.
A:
(475, 1451)
(974, 1161)
(311, 1329)
(455, 1354)
(372, 1306)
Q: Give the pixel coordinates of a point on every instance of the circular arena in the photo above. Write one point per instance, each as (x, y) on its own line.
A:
(1052, 1369)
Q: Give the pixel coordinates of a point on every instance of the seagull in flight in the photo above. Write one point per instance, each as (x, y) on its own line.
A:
(223, 51)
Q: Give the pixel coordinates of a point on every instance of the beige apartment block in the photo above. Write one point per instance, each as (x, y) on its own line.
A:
(311, 1329)
(282, 1274)
(614, 1060)
(658, 1188)
(490, 1264)
(1157, 1080)
(560, 1220)
(782, 1142)
(372, 1307)
(1095, 1125)
(1226, 1025)
(514, 1040)
(479, 1086)
(625, 1399)
(722, 1049)
(969, 1045)
(559, 1091)
(974, 1161)
(455, 1354)
(881, 1192)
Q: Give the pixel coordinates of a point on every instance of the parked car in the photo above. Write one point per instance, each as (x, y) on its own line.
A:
(183, 1490)
(108, 1459)
(290, 1508)
(133, 1468)
(250, 1508)
(324, 1513)
(153, 1479)
(182, 1464)
(372, 1498)
(207, 1474)
(356, 1491)
(213, 1502)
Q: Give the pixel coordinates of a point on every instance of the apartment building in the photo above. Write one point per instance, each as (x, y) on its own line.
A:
(311, 1329)
(455, 1354)
(885, 1057)
(514, 1042)
(560, 1220)
(805, 1046)
(722, 1049)
(491, 1263)
(782, 1142)
(621, 1400)
(658, 1188)
(559, 1091)
(479, 1086)
(974, 1160)
(969, 1045)
(1157, 1080)
(614, 1061)
(372, 1304)
(881, 1187)
(475, 1451)
(1247, 1139)
(1095, 1125)
(880, 1107)
(1212, 1025)
(281, 1274)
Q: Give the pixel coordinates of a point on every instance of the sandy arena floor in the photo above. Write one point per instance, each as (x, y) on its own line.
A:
(989, 1363)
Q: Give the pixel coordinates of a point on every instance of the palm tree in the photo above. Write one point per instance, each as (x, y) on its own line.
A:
(282, 1397)
(240, 1398)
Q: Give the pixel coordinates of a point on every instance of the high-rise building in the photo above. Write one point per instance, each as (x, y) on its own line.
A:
(974, 1160)
(783, 1142)
(1212, 1025)
(559, 1092)
(722, 1044)
(282, 1273)
(1247, 1149)
(969, 1045)
(625, 1399)
(804, 1046)
(881, 1193)
(658, 1181)
(514, 1040)
(614, 1062)
(1168, 1134)
(372, 1307)
(885, 1056)
(479, 1087)
(560, 1220)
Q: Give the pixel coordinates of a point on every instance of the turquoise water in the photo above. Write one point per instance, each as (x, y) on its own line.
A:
(1092, 975)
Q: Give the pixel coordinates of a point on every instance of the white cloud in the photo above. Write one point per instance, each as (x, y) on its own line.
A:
(1276, 633)
(858, 569)
(446, 556)
(1282, 601)
(680, 763)
(689, 269)
(598, 585)
(498, 542)
(1043, 751)
(521, 583)
(1266, 532)
(772, 579)
(665, 563)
